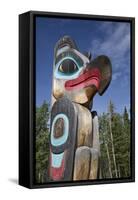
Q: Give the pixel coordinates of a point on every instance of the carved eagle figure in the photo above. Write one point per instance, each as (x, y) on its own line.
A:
(74, 141)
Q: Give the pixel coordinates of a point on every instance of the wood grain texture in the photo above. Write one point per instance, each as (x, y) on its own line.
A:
(84, 143)
(86, 163)
(82, 163)
(59, 128)
(94, 164)
(80, 96)
(53, 100)
(95, 142)
(77, 91)
(84, 131)
(66, 107)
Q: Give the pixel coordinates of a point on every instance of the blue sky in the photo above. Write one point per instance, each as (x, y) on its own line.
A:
(98, 37)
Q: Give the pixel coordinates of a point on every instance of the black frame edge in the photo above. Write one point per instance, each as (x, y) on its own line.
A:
(29, 181)
(133, 97)
(24, 99)
(79, 15)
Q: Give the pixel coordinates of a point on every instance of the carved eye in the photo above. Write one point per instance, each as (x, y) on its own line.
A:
(61, 68)
(68, 67)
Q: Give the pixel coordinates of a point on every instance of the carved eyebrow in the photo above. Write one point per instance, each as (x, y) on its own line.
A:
(71, 54)
(61, 50)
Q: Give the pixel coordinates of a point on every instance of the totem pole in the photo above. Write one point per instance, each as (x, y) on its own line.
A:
(74, 135)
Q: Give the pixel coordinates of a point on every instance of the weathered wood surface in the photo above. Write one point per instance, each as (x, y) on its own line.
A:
(87, 154)
(84, 131)
(82, 163)
(81, 96)
(95, 132)
(65, 107)
(82, 148)
(83, 140)
(94, 164)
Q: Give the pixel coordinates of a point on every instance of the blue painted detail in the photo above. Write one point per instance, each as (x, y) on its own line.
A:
(61, 140)
(60, 75)
(57, 159)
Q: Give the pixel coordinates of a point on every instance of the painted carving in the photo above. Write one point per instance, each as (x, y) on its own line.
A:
(74, 135)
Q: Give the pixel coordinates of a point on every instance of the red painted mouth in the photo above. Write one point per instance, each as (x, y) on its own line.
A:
(91, 77)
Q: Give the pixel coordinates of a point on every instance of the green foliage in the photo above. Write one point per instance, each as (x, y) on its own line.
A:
(115, 143)
(42, 143)
(114, 131)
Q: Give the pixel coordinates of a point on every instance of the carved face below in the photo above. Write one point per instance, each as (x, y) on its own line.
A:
(75, 75)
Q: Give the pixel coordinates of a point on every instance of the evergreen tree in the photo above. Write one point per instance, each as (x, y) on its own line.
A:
(115, 143)
(42, 143)
(111, 121)
(115, 139)
(126, 130)
(104, 147)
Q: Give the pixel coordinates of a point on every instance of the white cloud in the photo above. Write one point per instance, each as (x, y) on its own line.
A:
(115, 44)
(116, 76)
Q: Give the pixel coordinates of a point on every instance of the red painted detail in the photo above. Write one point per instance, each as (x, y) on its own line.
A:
(57, 173)
(88, 78)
